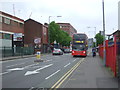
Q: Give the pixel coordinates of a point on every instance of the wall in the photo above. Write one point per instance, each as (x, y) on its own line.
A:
(9, 25)
(5, 43)
(119, 15)
(32, 30)
(67, 27)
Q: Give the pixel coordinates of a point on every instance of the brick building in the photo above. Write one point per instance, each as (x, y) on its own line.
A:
(67, 27)
(11, 30)
(36, 35)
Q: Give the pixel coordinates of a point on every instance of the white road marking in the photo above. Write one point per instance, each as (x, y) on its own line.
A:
(52, 74)
(67, 65)
(36, 71)
(18, 69)
(30, 65)
(36, 66)
(48, 60)
(74, 60)
(31, 88)
(15, 69)
(15, 65)
(56, 56)
(4, 73)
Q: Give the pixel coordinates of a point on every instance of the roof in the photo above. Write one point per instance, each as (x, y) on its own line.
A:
(33, 21)
(64, 23)
(118, 31)
(11, 16)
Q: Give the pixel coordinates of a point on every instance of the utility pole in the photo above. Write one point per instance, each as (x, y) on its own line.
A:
(30, 14)
(104, 51)
(13, 10)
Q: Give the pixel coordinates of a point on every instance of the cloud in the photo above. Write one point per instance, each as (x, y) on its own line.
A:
(80, 13)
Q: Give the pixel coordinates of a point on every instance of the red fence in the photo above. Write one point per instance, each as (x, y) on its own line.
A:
(110, 55)
(100, 51)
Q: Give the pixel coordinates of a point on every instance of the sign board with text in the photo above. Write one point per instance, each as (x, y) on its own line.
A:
(17, 37)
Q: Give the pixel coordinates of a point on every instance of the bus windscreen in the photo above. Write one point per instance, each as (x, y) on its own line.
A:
(79, 36)
(78, 47)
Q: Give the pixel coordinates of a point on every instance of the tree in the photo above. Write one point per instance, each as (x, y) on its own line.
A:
(59, 35)
(99, 39)
(53, 31)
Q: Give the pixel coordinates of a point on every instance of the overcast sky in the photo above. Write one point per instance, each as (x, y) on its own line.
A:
(79, 13)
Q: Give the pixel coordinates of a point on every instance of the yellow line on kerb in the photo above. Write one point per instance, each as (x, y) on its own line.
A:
(63, 78)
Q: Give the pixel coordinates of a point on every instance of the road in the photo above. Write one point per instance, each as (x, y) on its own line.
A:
(25, 73)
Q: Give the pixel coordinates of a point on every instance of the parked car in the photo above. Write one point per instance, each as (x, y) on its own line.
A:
(67, 51)
(57, 52)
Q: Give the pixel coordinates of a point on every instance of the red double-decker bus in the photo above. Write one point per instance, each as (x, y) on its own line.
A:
(79, 44)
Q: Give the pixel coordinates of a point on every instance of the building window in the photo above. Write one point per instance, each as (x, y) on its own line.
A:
(7, 36)
(0, 18)
(60, 26)
(21, 25)
(15, 23)
(0, 35)
(6, 20)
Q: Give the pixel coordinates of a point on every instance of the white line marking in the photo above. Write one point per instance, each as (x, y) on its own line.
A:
(48, 60)
(52, 74)
(74, 60)
(56, 56)
(18, 69)
(36, 71)
(31, 88)
(67, 65)
(14, 65)
(30, 65)
(4, 73)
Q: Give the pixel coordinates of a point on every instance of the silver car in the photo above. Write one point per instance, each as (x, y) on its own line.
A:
(57, 52)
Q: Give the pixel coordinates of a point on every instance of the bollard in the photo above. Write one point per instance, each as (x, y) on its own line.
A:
(38, 57)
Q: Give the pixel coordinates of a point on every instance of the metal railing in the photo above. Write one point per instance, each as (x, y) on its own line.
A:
(16, 51)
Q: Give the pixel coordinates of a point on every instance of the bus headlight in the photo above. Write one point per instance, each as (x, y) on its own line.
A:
(83, 51)
(73, 52)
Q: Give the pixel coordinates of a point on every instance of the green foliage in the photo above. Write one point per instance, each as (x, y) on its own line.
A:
(59, 35)
(93, 44)
(99, 39)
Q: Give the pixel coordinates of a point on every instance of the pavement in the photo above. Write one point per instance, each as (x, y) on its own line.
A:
(91, 73)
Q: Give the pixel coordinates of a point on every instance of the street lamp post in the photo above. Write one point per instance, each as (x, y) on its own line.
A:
(52, 16)
(49, 31)
(49, 19)
(94, 32)
(104, 51)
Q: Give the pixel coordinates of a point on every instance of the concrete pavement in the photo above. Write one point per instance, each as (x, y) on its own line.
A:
(91, 73)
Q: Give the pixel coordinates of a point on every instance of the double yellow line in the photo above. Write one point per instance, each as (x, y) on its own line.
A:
(63, 78)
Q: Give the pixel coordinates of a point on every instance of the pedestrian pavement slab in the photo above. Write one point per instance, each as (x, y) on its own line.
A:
(91, 73)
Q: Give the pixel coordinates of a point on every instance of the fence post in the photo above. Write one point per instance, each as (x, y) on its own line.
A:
(107, 53)
(4, 51)
(12, 51)
(21, 51)
(115, 49)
